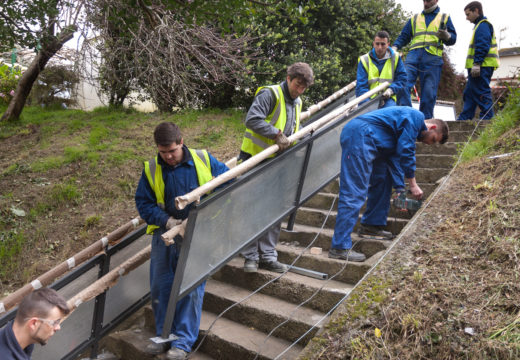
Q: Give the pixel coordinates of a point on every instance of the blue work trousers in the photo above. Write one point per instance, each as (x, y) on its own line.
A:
(428, 67)
(358, 153)
(379, 194)
(186, 323)
(478, 93)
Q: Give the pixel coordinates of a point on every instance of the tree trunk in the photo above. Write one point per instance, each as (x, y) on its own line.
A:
(28, 78)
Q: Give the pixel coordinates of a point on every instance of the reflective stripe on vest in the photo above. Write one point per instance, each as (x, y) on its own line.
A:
(254, 143)
(427, 37)
(387, 73)
(491, 58)
(153, 172)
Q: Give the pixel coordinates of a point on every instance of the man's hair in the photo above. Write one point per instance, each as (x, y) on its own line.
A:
(167, 133)
(383, 35)
(442, 128)
(39, 303)
(302, 71)
(475, 5)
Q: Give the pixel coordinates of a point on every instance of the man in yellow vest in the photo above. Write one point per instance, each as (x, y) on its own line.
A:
(379, 65)
(427, 34)
(482, 60)
(273, 116)
(175, 171)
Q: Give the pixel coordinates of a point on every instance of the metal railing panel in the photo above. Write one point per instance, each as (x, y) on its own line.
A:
(231, 221)
(131, 287)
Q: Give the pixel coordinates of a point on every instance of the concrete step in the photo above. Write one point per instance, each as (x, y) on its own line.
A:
(317, 217)
(347, 272)
(291, 287)
(466, 125)
(449, 148)
(434, 161)
(462, 136)
(261, 311)
(131, 344)
(430, 175)
(302, 236)
(230, 340)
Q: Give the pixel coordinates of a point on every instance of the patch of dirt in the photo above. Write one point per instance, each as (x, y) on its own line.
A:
(450, 289)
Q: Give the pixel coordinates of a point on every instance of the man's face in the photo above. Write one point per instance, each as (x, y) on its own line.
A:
(471, 16)
(296, 87)
(46, 327)
(429, 3)
(380, 46)
(171, 154)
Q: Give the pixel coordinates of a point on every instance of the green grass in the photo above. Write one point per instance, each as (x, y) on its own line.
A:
(12, 244)
(505, 120)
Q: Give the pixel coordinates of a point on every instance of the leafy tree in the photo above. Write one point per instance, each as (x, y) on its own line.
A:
(330, 37)
(55, 85)
(42, 25)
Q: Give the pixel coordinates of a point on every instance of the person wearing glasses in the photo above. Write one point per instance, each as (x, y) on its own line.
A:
(427, 33)
(38, 318)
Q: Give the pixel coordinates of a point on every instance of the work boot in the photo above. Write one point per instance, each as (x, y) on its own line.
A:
(349, 255)
(274, 266)
(250, 266)
(374, 231)
(156, 348)
(176, 354)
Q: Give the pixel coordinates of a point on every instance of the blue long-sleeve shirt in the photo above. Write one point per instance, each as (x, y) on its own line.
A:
(483, 37)
(362, 75)
(395, 131)
(406, 34)
(10, 348)
(178, 181)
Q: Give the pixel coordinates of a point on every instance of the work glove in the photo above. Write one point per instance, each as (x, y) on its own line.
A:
(171, 223)
(388, 93)
(475, 70)
(443, 35)
(395, 49)
(282, 141)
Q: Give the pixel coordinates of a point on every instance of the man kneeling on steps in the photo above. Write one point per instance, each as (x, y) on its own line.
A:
(378, 152)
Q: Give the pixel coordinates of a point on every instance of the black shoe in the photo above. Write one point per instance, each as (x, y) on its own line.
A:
(349, 255)
(156, 348)
(176, 354)
(274, 266)
(250, 266)
(374, 232)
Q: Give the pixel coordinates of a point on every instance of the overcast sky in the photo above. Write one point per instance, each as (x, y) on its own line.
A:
(501, 13)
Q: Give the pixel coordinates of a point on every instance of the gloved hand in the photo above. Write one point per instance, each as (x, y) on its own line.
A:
(282, 141)
(388, 93)
(443, 35)
(475, 70)
(395, 48)
(171, 223)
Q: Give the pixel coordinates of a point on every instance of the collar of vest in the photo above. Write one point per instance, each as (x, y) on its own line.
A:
(186, 158)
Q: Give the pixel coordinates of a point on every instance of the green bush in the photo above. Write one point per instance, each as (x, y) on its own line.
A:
(8, 81)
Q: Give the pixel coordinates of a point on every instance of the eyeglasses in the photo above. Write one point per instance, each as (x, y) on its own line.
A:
(51, 323)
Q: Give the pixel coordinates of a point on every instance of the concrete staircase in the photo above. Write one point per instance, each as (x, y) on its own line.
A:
(291, 308)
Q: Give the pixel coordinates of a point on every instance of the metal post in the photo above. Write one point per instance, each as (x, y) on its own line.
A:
(99, 309)
(292, 217)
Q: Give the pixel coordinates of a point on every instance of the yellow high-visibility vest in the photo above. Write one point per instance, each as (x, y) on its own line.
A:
(491, 59)
(153, 172)
(387, 73)
(254, 143)
(426, 37)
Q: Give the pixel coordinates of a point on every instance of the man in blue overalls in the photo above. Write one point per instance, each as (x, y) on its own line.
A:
(385, 136)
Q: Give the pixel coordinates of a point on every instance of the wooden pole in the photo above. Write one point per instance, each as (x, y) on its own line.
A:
(182, 201)
(46, 279)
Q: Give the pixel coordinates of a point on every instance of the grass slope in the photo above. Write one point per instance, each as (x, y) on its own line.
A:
(68, 177)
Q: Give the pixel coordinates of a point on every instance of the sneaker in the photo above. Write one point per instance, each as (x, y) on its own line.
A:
(349, 255)
(176, 354)
(156, 348)
(274, 266)
(250, 266)
(374, 231)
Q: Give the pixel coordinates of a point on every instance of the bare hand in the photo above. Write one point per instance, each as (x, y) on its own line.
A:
(282, 141)
(416, 192)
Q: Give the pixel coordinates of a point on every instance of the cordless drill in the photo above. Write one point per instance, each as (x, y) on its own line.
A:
(401, 202)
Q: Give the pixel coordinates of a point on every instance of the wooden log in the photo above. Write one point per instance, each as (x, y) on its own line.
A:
(46, 279)
(182, 201)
